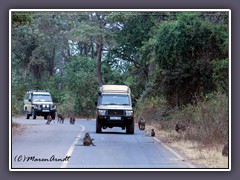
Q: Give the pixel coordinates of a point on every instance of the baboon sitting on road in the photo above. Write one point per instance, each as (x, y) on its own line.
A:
(141, 123)
(72, 119)
(87, 140)
(60, 118)
(49, 119)
(152, 133)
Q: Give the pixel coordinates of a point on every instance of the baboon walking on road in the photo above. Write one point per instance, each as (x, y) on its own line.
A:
(72, 119)
(60, 118)
(87, 140)
(141, 123)
(49, 119)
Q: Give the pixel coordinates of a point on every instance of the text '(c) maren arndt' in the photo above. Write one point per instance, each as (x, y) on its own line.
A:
(24, 158)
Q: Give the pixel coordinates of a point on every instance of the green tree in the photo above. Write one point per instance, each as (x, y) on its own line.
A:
(132, 30)
(184, 49)
(81, 83)
(94, 30)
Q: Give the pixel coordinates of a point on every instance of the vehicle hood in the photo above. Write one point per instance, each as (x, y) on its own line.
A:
(42, 102)
(115, 107)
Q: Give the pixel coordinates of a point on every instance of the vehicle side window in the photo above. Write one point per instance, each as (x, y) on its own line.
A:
(99, 100)
(26, 96)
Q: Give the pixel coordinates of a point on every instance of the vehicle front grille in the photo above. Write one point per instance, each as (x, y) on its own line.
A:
(115, 112)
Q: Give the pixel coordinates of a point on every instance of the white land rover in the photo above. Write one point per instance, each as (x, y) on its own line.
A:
(38, 103)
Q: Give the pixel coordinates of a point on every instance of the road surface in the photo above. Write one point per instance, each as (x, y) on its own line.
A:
(57, 146)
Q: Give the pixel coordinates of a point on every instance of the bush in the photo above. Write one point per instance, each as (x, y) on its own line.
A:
(208, 120)
(74, 105)
(220, 74)
(66, 107)
(17, 106)
(153, 109)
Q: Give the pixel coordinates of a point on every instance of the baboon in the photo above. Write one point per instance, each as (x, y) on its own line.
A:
(225, 150)
(141, 123)
(87, 140)
(72, 120)
(60, 118)
(152, 133)
(180, 127)
(49, 119)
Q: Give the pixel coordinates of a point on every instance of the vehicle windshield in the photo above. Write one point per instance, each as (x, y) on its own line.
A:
(115, 99)
(42, 98)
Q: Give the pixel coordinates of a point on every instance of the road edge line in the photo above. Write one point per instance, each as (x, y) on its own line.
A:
(70, 150)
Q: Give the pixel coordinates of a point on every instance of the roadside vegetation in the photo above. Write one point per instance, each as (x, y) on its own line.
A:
(176, 64)
(16, 128)
(206, 122)
(206, 133)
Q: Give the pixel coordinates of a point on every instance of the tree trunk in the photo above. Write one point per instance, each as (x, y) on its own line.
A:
(85, 49)
(60, 86)
(51, 65)
(99, 58)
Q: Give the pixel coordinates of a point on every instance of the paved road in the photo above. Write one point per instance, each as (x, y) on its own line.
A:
(60, 146)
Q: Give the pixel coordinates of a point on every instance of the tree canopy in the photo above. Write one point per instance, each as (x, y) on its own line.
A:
(179, 56)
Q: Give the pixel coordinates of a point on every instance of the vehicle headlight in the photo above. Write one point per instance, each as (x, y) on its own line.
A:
(102, 112)
(129, 113)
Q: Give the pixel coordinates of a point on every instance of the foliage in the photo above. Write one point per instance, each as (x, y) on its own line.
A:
(220, 74)
(20, 18)
(81, 83)
(153, 109)
(184, 49)
(168, 59)
(208, 120)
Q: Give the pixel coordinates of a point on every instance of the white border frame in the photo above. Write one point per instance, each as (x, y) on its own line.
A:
(122, 10)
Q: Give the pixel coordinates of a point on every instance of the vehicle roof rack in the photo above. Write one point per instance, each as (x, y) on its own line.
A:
(115, 89)
(38, 90)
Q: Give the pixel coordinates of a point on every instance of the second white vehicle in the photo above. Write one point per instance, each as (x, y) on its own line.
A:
(38, 103)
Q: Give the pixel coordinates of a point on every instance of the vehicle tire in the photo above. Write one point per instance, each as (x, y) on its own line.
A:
(34, 114)
(28, 116)
(98, 127)
(130, 128)
(53, 115)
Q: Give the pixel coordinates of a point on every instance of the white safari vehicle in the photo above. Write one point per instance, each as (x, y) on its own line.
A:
(38, 103)
(114, 108)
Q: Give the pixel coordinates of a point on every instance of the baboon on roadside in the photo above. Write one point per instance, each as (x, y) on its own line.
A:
(49, 119)
(225, 150)
(152, 133)
(180, 127)
(60, 118)
(72, 120)
(141, 123)
(87, 140)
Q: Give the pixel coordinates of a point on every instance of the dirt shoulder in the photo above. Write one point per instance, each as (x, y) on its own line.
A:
(199, 156)
(17, 129)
